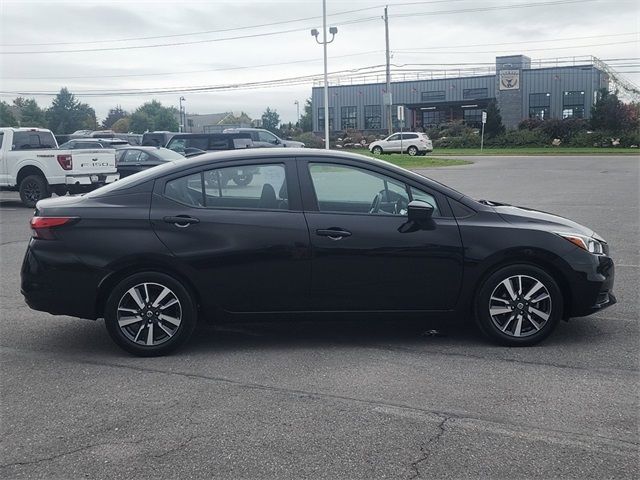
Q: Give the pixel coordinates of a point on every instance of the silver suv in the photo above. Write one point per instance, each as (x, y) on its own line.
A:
(413, 143)
(264, 138)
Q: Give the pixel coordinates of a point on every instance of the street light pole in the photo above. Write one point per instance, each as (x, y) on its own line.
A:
(183, 117)
(324, 43)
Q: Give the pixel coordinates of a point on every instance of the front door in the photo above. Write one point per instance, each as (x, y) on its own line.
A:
(366, 255)
(247, 242)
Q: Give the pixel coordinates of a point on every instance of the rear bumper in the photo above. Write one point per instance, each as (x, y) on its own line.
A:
(92, 179)
(58, 283)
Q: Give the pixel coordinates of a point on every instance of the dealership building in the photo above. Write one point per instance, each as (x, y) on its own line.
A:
(521, 90)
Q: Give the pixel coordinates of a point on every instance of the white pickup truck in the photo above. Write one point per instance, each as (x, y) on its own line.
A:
(31, 163)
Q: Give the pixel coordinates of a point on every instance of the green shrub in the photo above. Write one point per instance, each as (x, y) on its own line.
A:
(310, 140)
(519, 138)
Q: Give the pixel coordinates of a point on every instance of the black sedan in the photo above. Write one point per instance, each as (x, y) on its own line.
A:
(132, 160)
(313, 231)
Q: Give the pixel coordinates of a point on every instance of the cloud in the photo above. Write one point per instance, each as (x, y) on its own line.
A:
(53, 22)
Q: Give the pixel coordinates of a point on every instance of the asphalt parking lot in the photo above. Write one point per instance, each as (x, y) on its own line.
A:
(382, 399)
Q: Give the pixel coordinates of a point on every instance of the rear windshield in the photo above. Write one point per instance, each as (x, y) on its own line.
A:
(33, 140)
(131, 180)
(166, 154)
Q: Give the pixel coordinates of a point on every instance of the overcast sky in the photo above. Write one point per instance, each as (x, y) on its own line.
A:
(607, 29)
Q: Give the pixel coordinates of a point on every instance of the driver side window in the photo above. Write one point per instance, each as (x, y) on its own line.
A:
(347, 189)
(267, 137)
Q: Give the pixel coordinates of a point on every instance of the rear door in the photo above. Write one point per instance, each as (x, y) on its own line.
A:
(247, 243)
(366, 255)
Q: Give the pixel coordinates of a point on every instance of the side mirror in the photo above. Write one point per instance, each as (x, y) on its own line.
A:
(277, 141)
(419, 211)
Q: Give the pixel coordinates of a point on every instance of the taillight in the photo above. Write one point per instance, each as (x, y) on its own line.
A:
(42, 227)
(65, 162)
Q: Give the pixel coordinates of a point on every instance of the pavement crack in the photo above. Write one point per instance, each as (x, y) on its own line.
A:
(426, 448)
(60, 455)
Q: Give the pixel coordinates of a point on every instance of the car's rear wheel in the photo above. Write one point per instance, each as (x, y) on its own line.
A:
(32, 189)
(518, 305)
(150, 314)
(412, 151)
(377, 150)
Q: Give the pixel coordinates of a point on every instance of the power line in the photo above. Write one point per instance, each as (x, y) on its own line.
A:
(513, 43)
(245, 67)
(518, 51)
(265, 34)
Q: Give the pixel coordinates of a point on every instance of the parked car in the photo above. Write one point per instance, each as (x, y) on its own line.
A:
(157, 139)
(88, 143)
(413, 143)
(198, 143)
(315, 231)
(32, 163)
(130, 160)
(264, 138)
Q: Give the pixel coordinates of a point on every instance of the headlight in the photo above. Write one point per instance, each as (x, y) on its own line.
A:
(589, 244)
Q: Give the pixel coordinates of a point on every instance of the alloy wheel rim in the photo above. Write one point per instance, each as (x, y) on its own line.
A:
(412, 151)
(32, 191)
(520, 306)
(149, 314)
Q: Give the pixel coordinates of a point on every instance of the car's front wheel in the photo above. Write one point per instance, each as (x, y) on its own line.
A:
(376, 150)
(518, 305)
(150, 314)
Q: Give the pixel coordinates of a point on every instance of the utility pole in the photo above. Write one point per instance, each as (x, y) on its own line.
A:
(297, 103)
(389, 98)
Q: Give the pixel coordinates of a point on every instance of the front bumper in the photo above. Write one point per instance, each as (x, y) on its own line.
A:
(591, 283)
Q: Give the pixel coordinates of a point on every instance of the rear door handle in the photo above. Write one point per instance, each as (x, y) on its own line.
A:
(333, 233)
(181, 221)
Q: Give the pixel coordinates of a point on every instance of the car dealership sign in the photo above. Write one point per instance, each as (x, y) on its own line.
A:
(509, 79)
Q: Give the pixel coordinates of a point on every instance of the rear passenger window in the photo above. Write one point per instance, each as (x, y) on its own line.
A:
(250, 186)
(186, 190)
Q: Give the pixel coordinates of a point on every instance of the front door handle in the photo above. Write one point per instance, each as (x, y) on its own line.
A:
(333, 233)
(181, 221)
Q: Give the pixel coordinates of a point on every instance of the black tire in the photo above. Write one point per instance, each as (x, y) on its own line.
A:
(412, 151)
(59, 190)
(122, 336)
(493, 295)
(32, 189)
(376, 150)
(242, 179)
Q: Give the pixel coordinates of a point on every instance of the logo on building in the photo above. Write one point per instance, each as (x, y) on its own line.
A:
(509, 79)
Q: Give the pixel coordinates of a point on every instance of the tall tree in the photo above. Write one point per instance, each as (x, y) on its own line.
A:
(494, 126)
(113, 116)
(122, 125)
(31, 115)
(153, 116)
(610, 114)
(270, 120)
(67, 114)
(306, 119)
(7, 118)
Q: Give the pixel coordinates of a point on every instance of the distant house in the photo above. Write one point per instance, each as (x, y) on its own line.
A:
(216, 122)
